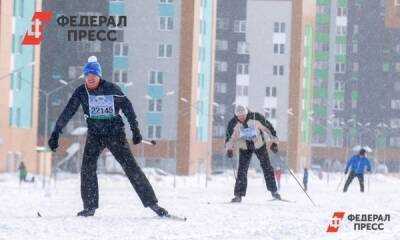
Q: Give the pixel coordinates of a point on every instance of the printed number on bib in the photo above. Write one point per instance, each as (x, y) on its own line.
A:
(248, 134)
(101, 107)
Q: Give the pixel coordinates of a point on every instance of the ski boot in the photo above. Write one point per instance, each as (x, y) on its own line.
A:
(276, 195)
(159, 210)
(236, 199)
(86, 213)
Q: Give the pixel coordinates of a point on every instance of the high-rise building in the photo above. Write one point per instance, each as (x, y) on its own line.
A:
(19, 78)
(171, 57)
(231, 70)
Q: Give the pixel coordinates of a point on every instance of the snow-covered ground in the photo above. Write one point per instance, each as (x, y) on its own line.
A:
(210, 216)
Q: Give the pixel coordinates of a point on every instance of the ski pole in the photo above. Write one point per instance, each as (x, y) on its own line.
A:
(233, 168)
(291, 173)
(340, 182)
(368, 180)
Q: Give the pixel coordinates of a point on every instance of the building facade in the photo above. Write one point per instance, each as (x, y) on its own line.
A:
(19, 78)
(171, 67)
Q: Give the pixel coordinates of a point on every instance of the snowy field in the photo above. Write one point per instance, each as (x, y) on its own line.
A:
(210, 216)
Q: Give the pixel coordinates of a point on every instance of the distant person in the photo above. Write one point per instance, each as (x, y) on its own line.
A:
(305, 179)
(278, 174)
(357, 165)
(23, 172)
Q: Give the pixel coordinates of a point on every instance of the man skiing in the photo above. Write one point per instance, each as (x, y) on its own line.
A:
(249, 130)
(357, 166)
(101, 102)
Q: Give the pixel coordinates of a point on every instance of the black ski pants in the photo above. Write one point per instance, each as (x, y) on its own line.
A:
(352, 175)
(119, 147)
(244, 163)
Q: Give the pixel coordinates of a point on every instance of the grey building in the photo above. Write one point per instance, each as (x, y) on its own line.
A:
(269, 42)
(372, 99)
(231, 64)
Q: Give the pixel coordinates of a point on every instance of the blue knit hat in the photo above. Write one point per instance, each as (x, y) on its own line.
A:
(92, 67)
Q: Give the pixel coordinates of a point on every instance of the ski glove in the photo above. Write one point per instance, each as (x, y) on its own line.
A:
(229, 153)
(53, 141)
(136, 136)
(274, 147)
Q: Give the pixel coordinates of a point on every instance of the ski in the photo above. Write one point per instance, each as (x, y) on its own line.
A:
(177, 218)
(282, 199)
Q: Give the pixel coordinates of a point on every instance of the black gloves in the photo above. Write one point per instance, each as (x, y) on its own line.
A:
(345, 172)
(274, 147)
(229, 153)
(53, 140)
(136, 136)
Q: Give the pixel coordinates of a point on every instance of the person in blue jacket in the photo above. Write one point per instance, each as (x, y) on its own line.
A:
(357, 166)
(305, 179)
(102, 102)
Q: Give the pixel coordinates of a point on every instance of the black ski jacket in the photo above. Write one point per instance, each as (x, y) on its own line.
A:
(109, 125)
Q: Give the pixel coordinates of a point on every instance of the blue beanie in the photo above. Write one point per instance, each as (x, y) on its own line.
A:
(92, 67)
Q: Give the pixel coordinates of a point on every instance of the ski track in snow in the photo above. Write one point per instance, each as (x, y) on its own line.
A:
(210, 216)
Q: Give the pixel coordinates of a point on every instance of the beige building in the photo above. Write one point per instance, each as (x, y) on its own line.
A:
(19, 79)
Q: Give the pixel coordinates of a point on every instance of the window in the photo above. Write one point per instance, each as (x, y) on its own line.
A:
(120, 76)
(155, 105)
(341, 30)
(242, 48)
(166, 23)
(339, 86)
(154, 132)
(219, 131)
(270, 92)
(340, 48)
(120, 49)
(355, 47)
(341, 12)
(338, 105)
(223, 23)
(74, 71)
(222, 45)
(279, 27)
(242, 91)
(279, 48)
(164, 50)
(239, 26)
(270, 113)
(221, 109)
(356, 67)
(340, 68)
(397, 67)
(221, 66)
(242, 69)
(355, 29)
(395, 104)
(278, 70)
(166, 1)
(221, 87)
(395, 123)
(156, 78)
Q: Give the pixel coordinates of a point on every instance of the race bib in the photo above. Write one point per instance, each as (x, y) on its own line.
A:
(248, 134)
(101, 107)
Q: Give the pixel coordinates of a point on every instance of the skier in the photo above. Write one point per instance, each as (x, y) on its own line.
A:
(23, 172)
(357, 166)
(249, 130)
(278, 174)
(101, 102)
(305, 179)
